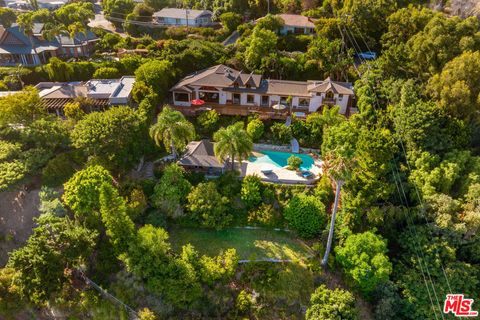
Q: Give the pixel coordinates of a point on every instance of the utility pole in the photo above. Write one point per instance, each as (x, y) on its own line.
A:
(268, 6)
(186, 16)
(332, 223)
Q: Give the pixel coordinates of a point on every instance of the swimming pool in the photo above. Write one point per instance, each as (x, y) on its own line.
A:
(279, 159)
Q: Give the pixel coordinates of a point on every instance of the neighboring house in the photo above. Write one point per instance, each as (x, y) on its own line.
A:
(200, 157)
(297, 24)
(221, 86)
(16, 47)
(183, 17)
(42, 4)
(96, 94)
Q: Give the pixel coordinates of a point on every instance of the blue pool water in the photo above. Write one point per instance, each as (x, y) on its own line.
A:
(279, 159)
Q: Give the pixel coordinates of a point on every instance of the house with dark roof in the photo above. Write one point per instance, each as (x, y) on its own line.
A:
(17, 48)
(200, 157)
(95, 95)
(297, 24)
(183, 17)
(221, 86)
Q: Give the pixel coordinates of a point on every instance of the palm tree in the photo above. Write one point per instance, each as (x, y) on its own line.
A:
(172, 129)
(337, 165)
(232, 142)
(25, 22)
(51, 30)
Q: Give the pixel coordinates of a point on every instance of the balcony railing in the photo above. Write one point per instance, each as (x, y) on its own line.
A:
(329, 101)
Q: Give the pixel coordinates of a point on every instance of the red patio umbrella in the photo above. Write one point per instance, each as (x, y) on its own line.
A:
(198, 102)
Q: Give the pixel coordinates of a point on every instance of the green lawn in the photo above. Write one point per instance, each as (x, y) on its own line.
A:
(249, 243)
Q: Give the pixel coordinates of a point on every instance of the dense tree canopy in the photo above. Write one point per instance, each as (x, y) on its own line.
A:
(45, 264)
(363, 257)
(114, 136)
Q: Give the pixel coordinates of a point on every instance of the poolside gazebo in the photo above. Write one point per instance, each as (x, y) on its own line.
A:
(200, 157)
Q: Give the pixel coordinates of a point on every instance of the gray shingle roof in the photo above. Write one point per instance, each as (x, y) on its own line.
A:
(24, 46)
(221, 76)
(201, 154)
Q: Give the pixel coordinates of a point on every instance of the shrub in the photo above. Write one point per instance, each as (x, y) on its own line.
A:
(255, 129)
(244, 301)
(264, 215)
(171, 191)
(9, 150)
(228, 184)
(230, 20)
(331, 304)
(74, 111)
(251, 193)
(106, 73)
(208, 120)
(294, 162)
(156, 219)
(281, 133)
(11, 173)
(58, 170)
(137, 203)
(208, 206)
(305, 214)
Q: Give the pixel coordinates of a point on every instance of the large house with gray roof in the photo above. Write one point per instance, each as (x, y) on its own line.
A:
(17, 48)
(221, 86)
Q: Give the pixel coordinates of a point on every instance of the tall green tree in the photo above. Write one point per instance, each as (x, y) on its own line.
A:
(21, 108)
(208, 206)
(170, 193)
(116, 136)
(172, 129)
(26, 23)
(457, 87)
(118, 225)
(43, 266)
(232, 143)
(157, 74)
(364, 260)
(82, 193)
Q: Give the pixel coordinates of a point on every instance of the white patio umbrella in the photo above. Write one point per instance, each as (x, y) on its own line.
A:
(279, 106)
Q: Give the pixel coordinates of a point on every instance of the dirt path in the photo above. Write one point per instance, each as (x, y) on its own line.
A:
(17, 209)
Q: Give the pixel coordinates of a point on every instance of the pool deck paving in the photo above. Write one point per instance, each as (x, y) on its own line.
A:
(281, 174)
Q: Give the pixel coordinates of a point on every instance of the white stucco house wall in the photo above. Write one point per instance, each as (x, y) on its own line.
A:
(183, 17)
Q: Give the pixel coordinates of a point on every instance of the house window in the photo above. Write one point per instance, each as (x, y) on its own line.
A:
(264, 100)
(340, 97)
(302, 102)
(250, 98)
(283, 100)
(181, 96)
(236, 98)
(177, 21)
(329, 95)
(298, 30)
(248, 86)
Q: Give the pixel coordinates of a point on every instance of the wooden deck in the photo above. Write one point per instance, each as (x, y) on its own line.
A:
(264, 113)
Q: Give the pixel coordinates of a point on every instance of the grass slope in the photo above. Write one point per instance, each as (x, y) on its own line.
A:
(249, 243)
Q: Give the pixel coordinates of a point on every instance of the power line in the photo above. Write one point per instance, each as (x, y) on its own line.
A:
(355, 45)
(420, 199)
